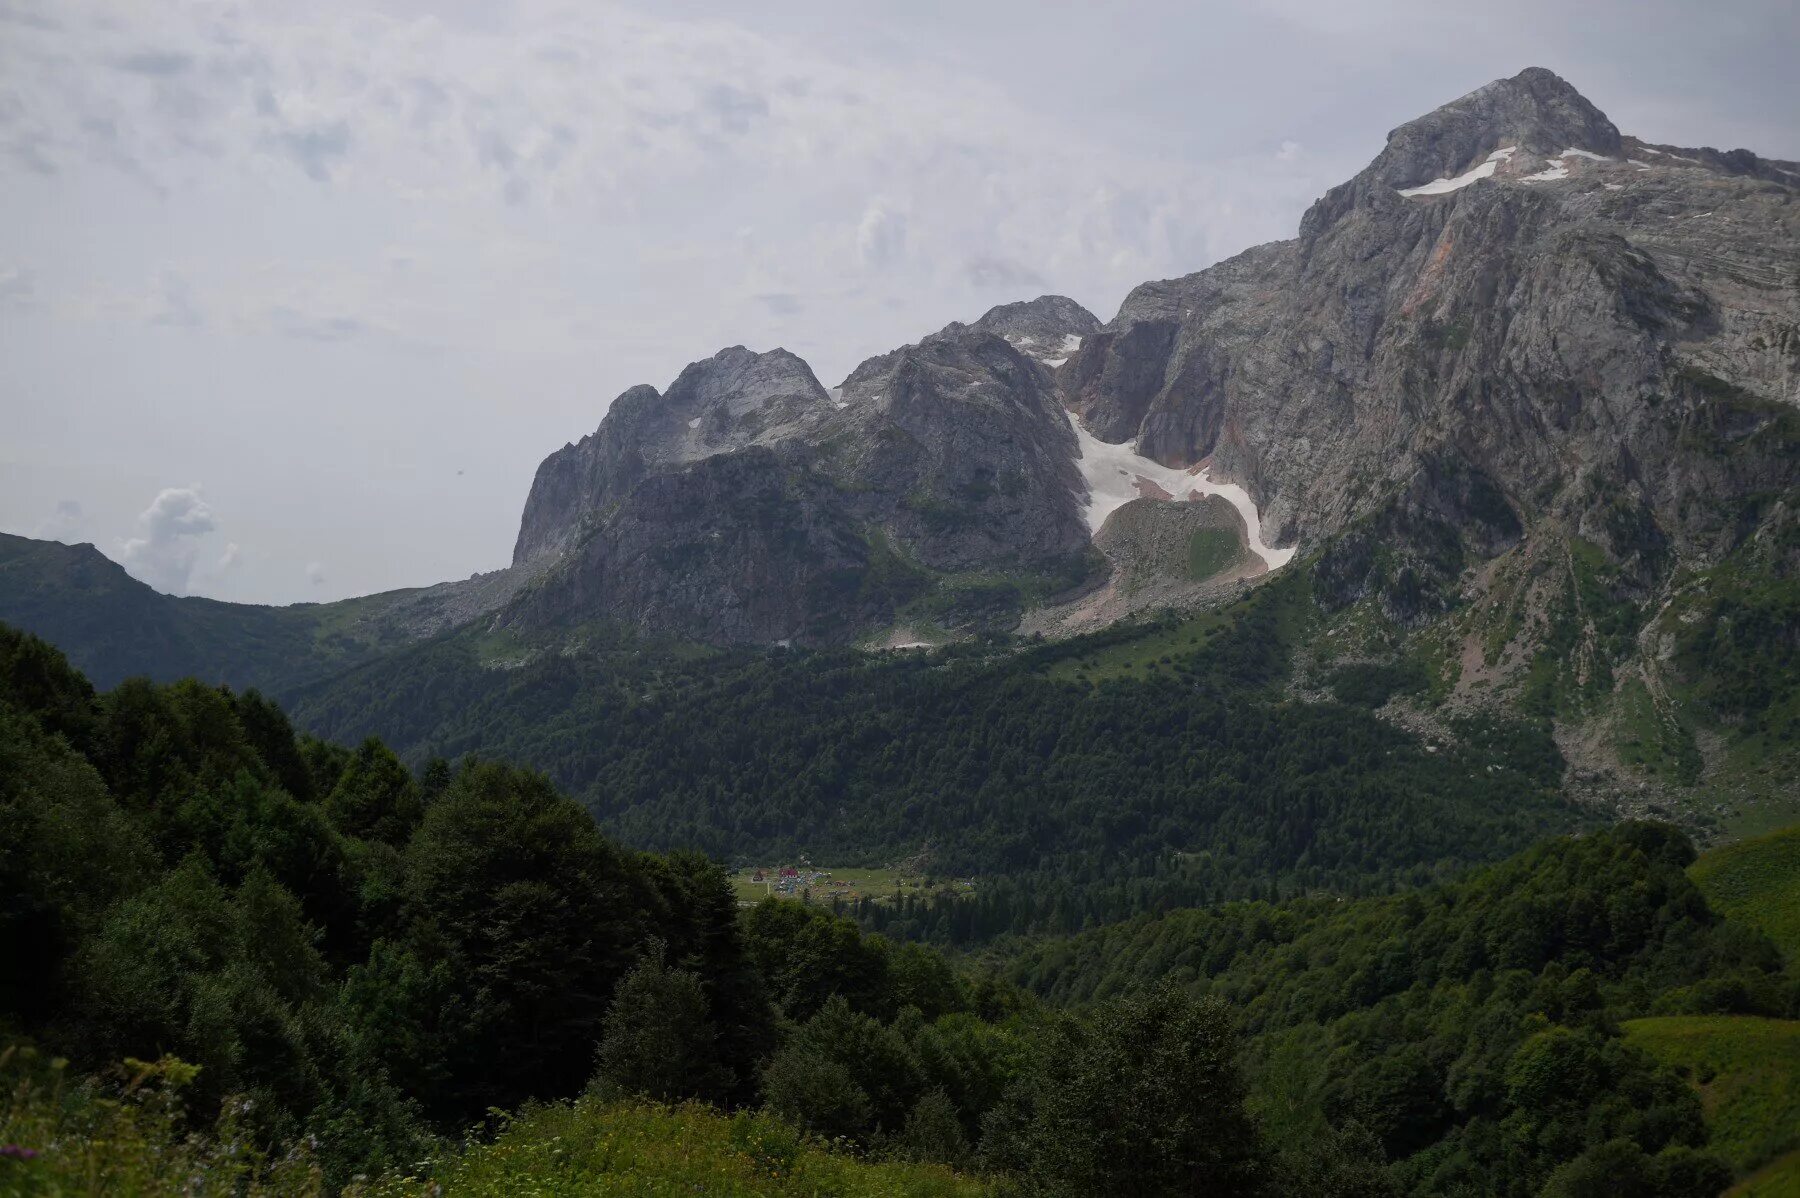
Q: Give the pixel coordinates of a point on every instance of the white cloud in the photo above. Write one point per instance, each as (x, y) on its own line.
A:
(315, 573)
(170, 529)
(880, 236)
(65, 524)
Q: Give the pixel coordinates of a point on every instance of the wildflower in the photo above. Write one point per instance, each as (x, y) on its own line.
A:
(17, 1152)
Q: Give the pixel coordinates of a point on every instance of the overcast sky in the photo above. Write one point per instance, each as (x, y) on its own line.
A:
(294, 297)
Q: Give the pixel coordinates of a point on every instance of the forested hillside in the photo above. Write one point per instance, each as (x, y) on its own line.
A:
(285, 963)
(1463, 1026)
(1068, 798)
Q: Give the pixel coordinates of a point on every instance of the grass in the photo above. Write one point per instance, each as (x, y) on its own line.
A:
(879, 884)
(1747, 1069)
(1654, 739)
(1779, 1179)
(1124, 652)
(1757, 882)
(594, 1147)
(1211, 551)
(125, 1138)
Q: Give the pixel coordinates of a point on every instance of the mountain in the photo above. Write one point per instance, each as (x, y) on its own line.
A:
(115, 627)
(1520, 402)
(750, 503)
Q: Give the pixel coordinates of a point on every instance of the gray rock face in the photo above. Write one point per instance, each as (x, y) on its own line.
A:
(748, 503)
(1514, 314)
(1610, 341)
(732, 400)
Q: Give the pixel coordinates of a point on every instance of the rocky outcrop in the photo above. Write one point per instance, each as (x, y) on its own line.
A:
(1514, 314)
(732, 400)
(1543, 327)
(749, 503)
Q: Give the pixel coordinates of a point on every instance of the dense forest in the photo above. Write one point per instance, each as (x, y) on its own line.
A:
(1072, 801)
(344, 968)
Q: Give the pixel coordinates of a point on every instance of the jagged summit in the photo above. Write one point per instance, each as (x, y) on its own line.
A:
(735, 399)
(1535, 111)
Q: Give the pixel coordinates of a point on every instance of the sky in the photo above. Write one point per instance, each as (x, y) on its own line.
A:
(294, 297)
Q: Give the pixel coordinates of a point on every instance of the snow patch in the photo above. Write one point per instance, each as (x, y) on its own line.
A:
(1053, 363)
(1440, 186)
(1556, 171)
(1615, 187)
(837, 398)
(1071, 343)
(694, 423)
(1642, 166)
(1572, 152)
(1118, 474)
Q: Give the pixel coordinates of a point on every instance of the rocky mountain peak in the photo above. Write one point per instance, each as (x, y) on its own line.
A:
(1535, 111)
(741, 381)
(1047, 329)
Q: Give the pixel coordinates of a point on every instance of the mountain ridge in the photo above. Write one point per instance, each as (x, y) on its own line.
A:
(1522, 399)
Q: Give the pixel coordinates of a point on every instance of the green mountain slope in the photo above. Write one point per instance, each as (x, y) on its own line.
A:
(1190, 779)
(1436, 1018)
(1757, 882)
(1747, 1070)
(114, 627)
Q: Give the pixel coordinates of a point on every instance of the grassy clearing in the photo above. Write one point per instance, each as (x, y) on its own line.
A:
(1162, 642)
(593, 1147)
(882, 885)
(1211, 551)
(1748, 1072)
(1780, 1179)
(1757, 882)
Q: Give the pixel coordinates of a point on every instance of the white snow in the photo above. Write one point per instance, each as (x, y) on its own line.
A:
(1642, 166)
(1557, 171)
(837, 398)
(1020, 342)
(1486, 168)
(1053, 363)
(1117, 474)
(1572, 152)
(1615, 187)
(694, 423)
(1648, 150)
(1071, 343)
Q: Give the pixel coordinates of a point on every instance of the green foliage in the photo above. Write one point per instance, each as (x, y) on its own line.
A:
(594, 1147)
(1070, 802)
(358, 962)
(126, 1137)
(1371, 684)
(658, 1040)
(1747, 1071)
(1467, 1027)
(375, 797)
(1145, 1097)
(1757, 882)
